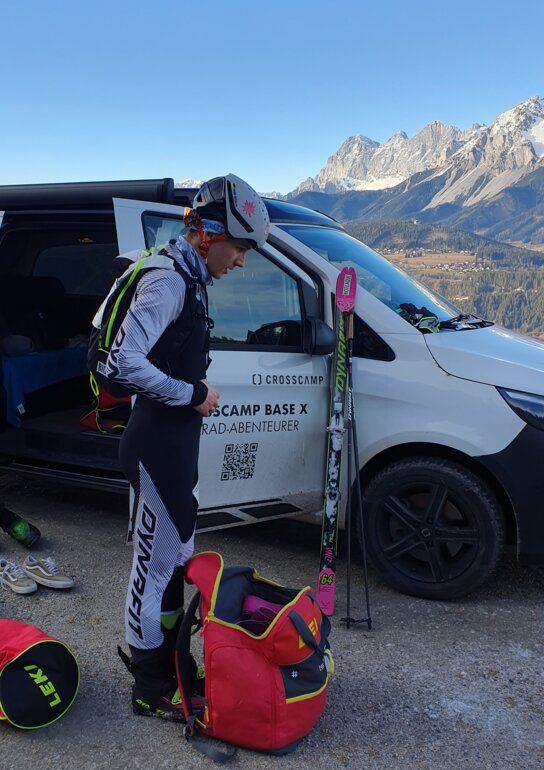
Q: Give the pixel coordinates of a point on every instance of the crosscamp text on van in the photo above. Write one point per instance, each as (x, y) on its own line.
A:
(450, 420)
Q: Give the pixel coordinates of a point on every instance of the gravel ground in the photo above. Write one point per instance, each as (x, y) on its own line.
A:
(433, 685)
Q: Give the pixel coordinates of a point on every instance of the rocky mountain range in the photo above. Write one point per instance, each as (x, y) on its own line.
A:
(486, 179)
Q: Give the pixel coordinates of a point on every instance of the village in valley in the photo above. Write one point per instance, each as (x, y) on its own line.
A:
(458, 261)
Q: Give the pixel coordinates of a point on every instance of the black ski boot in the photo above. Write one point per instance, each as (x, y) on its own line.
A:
(169, 647)
(172, 614)
(170, 638)
(18, 528)
(154, 693)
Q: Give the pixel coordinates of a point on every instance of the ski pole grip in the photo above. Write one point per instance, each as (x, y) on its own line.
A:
(349, 326)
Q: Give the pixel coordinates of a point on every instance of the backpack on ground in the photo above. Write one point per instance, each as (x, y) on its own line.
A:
(39, 676)
(266, 659)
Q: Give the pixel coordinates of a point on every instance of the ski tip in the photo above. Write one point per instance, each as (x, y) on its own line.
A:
(326, 584)
(346, 286)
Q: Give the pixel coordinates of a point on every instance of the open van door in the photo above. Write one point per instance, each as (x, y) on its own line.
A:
(263, 451)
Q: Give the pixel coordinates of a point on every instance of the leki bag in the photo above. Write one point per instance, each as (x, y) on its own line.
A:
(39, 676)
(266, 659)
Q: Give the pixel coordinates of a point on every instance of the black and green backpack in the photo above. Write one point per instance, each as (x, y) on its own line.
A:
(111, 314)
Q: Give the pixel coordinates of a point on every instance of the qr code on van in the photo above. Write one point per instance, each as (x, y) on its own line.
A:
(239, 461)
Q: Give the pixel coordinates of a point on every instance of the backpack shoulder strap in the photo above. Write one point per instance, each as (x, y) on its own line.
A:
(184, 667)
(183, 656)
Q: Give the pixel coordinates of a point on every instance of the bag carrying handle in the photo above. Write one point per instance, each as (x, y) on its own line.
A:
(325, 622)
(306, 635)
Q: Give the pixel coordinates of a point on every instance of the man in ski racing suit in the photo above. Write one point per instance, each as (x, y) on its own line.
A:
(161, 353)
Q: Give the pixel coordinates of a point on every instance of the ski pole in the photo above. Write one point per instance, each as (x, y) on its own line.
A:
(353, 425)
(368, 619)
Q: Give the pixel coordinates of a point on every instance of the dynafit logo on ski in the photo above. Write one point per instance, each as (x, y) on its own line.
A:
(340, 375)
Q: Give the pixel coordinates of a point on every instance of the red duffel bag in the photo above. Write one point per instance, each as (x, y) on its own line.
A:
(39, 676)
(266, 659)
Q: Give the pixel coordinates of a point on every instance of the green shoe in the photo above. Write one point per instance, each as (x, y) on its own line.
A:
(19, 529)
(152, 704)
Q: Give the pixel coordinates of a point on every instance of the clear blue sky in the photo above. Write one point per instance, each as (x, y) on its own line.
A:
(127, 89)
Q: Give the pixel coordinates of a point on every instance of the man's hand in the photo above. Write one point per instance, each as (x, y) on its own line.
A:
(208, 407)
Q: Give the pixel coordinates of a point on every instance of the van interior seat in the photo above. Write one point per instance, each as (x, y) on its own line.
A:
(37, 307)
(34, 306)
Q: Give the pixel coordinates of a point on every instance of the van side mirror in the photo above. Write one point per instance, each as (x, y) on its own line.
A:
(319, 338)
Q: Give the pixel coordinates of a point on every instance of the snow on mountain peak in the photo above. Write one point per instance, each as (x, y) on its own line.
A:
(363, 164)
(508, 147)
(189, 183)
(525, 121)
(529, 110)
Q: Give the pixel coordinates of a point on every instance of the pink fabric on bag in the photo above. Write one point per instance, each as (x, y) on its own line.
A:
(254, 603)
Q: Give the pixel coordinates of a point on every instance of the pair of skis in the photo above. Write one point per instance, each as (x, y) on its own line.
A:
(341, 386)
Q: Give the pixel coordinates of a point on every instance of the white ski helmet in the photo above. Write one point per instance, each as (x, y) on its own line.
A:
(231, 201)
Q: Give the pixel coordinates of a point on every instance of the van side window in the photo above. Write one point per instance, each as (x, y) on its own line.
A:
(368, 344)
(258, 304)
(80, 256)
(82, 268)
(159, 229)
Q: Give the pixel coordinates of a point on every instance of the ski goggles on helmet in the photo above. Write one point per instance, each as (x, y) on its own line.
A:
(212, 192)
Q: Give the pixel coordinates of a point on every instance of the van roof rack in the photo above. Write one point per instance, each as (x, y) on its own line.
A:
(67, 196)
(88, 194)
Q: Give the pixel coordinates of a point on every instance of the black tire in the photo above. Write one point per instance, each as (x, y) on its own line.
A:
(433, 528)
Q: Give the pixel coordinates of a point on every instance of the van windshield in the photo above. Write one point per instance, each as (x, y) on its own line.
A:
(388, 283)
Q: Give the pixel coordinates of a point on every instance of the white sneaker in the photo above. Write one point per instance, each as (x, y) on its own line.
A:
(13, 576)
(45, 571)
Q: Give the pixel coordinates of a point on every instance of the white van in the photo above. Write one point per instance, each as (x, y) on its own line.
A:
(450, 424)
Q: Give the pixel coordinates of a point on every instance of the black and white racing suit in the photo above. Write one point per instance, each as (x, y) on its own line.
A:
(161, 352)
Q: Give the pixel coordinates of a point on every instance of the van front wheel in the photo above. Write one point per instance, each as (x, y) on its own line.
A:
(433, 528)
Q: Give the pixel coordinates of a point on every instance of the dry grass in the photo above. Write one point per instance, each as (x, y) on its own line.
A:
(430, 259)
(531, 246)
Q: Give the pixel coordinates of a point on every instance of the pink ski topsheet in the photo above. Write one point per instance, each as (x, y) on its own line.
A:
(346, 286)
(326, 584)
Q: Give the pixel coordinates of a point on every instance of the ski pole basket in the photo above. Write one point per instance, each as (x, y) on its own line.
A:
(39, 676)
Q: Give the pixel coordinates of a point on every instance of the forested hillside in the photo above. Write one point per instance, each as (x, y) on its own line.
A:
(512, 298)
(402, 235)
(508, 286)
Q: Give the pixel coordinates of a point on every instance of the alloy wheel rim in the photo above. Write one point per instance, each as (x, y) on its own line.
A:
(427, 533)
